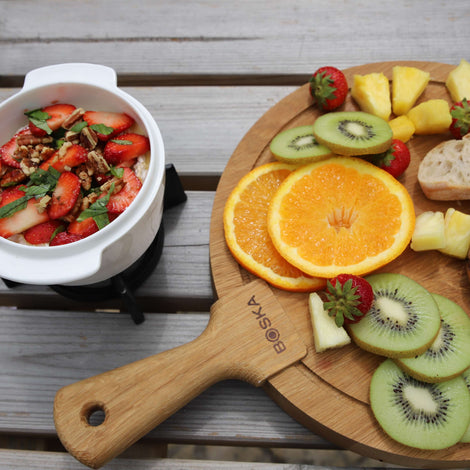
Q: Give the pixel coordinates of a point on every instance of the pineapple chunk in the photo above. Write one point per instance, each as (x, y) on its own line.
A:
(431, 117)
(457, 233)
(458, 82)
(325, 332)
(402, 128)
(429, 233)
(372, 94)
(408, 83)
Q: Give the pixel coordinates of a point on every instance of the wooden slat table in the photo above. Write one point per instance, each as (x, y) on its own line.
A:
(206, 71)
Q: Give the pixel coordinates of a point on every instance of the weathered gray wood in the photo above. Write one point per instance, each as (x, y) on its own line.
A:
(41, 351)
(215, 38)
(32, 460)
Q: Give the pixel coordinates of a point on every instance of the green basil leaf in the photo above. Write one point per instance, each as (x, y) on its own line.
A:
(42, 125)
(101, 220)
(122, 141)
(12, 207)
(79, 126)
(39, 118)
(117, 172)
(98, 210)
(102, 129)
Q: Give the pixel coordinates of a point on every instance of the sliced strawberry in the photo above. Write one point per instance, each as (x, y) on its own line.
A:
(125, 147)
(42, 233)
(57, 112)
(64, 238)
(74, 155)
(119, 122)
(120, 201)
(23, 219)
(84, 228)
(7, 151)
(65, 195)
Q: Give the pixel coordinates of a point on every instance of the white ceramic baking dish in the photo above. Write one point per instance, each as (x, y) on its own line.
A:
(119, 244)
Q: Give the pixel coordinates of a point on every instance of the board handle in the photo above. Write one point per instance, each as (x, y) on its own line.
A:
(248, 337)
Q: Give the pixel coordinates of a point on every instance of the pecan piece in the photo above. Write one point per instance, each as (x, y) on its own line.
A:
(12, 177)
(88, 138)
(97, 163)
(73, 118)
(118, 185)
(30, 139)
(85, 178)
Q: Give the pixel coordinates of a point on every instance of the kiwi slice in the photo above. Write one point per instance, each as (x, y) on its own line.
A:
(353, 132)
(466, 377)
(298, 145)
(449, 354)
(403, 320)
(419, 414)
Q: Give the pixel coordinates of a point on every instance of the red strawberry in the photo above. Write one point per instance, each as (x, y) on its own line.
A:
(7, 151)
(120, 201)
(64, 238)
(348, 298)
(42, 233)
(73, 156)
(125, 147)
(84, 228)
(119, 122)
(329, 87)
(65, 195)
(460, 113)
(23, 219)
(57, 115)
(395, 160)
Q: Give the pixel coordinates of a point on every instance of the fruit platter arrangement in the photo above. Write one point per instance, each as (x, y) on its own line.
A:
(350, 198)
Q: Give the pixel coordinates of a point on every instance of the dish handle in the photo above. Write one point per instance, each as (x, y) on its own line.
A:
(93, 74)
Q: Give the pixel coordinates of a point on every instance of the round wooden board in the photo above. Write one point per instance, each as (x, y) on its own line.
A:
(328, 392)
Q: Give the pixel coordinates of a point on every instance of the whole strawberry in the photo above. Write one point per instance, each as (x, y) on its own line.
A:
(460, 124)
(329, 88)
(348, 298)
(395, 160)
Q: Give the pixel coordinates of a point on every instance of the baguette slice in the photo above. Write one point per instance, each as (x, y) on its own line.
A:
(444, 173)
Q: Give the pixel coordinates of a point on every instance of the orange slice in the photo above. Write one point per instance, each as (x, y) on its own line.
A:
(246, 232)
(340, 215)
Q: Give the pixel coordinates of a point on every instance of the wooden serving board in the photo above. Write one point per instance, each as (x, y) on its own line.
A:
(329, 392)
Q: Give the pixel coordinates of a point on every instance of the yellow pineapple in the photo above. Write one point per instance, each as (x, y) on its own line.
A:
(457, 234)
(326, 333)
(408, 83)
(372, 94)
(458, 82)
(429, 232)
(402, 128)
(431, 117)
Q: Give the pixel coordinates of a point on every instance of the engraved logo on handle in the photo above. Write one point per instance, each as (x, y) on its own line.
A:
(271, 333)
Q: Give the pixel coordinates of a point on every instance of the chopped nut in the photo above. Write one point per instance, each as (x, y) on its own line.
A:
(84, 176)
(88, 138)
(30, 139)
(28, 167)
(118, 185)
(73, 137)
(42, 203)
(73, 118)
(12, 177)
(87, 201)
(97, 162)
(63, 150)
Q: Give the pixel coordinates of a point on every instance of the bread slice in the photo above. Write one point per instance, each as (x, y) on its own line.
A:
(444, 173)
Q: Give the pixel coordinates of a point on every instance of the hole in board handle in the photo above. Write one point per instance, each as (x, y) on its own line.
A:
(94, 415)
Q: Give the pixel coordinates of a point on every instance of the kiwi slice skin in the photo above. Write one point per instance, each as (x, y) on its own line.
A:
(466, 377)
(403, 320)
(449, 354)
(298, 145)
(353, 133)
(419, 414)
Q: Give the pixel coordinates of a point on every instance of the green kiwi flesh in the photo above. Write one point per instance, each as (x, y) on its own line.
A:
(353, 132)
(466, 377)
(449, 354)
(403, 320)
(298, 145)
(419, 414)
